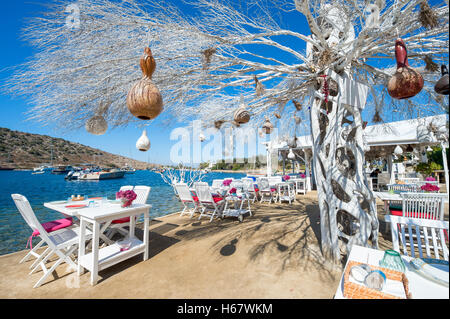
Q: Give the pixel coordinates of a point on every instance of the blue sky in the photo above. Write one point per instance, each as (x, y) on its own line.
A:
(118, 141)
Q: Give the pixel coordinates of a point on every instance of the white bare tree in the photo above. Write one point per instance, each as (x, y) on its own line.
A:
(210, 52)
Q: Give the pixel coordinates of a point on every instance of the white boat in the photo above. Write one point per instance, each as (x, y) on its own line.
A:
(128, 169)
(43, 168)
(102, 175)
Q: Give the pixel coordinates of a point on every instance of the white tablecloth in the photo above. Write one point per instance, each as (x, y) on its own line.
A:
(419, 287)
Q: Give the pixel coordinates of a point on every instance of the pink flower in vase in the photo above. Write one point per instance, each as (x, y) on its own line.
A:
(302, 176)
(127, 197)
(286, 178)
(430, 179)
(430, 188)
(227, 182)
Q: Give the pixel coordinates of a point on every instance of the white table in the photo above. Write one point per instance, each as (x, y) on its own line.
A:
(236, 212)
(419, 287)
(105, 213)
(298, 181)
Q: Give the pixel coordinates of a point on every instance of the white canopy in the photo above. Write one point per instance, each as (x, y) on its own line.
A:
(414, 131)
(423, 131)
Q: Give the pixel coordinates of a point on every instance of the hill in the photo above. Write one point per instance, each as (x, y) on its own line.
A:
(21, 150)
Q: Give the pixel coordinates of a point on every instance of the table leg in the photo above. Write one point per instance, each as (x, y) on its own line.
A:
(132, 225)
(81, 246)
(146, 231)
(95, 239)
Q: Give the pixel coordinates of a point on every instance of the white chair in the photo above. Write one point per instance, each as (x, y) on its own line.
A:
(217, 183)
(422, 205)
(422, 234)
(210, 206)
(300, 185)
(249, 188)
(286, 192)
(63, 243)
(119, 225)
(186, 197)
(267, 193)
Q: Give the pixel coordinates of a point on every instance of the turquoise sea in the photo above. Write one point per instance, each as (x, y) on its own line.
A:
(41, 188)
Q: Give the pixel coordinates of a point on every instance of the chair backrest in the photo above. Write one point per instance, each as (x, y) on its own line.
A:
(203, 193)
(183, 192)
(404, 187)
(25, 209)
(127, 188)
(263, 184)
(275, 179)
(217, 183)
(423, 205)
(237, 184)
(429, 234)
(142, 193)
(409, 180)
(248, 185)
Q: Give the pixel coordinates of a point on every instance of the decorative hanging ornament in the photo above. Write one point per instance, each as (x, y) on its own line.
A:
(259, 88)
(267, 126)
(144, 99)
(406, 82)
(442, 86)
(291, 154)
(143, 143)
(218, 124)
(241, 116)
(96, 125)
(373, 20)
(398, 150)
(201, 137)
(429, 149)
(297, 120)
(298, 106)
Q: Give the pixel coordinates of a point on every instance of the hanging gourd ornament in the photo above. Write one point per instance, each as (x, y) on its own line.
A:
(267, 126)
(144, 99)
(406, 82)
(441, 86)
(143, 143)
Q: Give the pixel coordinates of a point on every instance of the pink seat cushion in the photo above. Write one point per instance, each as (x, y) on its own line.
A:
(396, 212)
(55, 225)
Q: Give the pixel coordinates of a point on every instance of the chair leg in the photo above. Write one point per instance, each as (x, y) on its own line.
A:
(32, 252)
(43, 262)
(47, 272)
(38, 260)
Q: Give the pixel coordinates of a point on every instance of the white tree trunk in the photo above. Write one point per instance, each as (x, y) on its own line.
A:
(347, 206)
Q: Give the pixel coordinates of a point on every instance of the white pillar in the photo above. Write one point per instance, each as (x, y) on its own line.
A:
(444, 159)
(307, 172)
(391, 170)
(269, 160)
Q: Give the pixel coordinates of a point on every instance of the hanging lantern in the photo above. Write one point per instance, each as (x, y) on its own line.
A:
(267, 126)
(429, 149)
(398, 150)
(144, 99)
(201, 137)
(291, 154)
(442, 86)
(143, 143)
(406, 82)
(96, 125)
(409, 148)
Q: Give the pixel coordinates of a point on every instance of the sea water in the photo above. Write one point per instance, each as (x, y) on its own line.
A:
(41, 188)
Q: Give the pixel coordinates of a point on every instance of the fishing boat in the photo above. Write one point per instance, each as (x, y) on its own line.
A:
(43, 168)
(114, 173)
(62, 169)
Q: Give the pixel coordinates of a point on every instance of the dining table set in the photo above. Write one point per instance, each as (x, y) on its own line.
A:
(94, 215)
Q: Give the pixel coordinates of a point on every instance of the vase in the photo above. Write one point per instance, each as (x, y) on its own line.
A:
(125, 202)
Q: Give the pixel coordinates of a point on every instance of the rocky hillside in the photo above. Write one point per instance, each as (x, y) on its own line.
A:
(21, 150)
